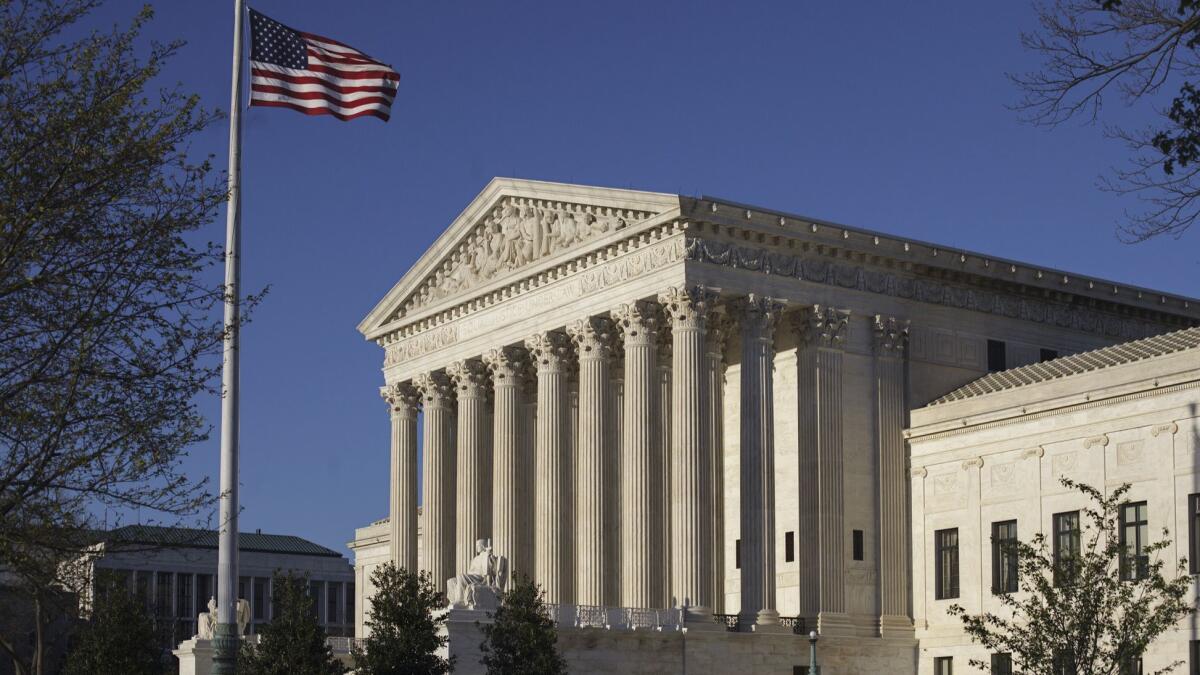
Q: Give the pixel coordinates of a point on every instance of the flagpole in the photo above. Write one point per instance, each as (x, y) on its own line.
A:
(225, 637)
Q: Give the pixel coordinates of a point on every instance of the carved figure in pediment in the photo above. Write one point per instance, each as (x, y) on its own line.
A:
(531, 236)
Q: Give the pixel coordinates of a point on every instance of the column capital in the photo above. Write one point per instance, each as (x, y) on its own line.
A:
(638, 322)
(470, 378)
(436, 388)
(758, 314)
(550, 350)
(823, 326)
(891, 335)
(717, 328)
(509, 365)
(401, 397)
(595, 337)
(687, 307)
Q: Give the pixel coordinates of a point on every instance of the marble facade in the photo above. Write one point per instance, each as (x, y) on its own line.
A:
(654, 401)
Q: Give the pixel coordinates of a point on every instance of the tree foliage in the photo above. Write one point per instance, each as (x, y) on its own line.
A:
(404, 623)
(119, 637)
(293, 643)
(1077, 609)
(522, 640)
(109, 321)
(1140, 51)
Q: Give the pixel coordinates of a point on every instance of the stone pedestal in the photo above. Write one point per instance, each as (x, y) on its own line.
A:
(195, 656)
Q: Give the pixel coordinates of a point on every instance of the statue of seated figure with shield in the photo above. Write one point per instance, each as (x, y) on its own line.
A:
(484, 582)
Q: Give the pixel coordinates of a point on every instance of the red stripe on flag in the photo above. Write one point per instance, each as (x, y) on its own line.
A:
(308, 79)
(321, 96)
(322, 111)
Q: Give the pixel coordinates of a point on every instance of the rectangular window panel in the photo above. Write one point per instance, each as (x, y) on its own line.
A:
(737, 554)
(183, 596)
(316, 592)
(1049, 355)
(1064, 664)
(143, 585)
(789, 547)
(1004, 557)
(858, 544)
(1002, 664)
(943, 665)
(350, 617)
(1135, 563)
(162, 594)
(204, 591)
(946, 555)
(334, 596)
(1131, 665)
(260, 599)
(996, 355)
(1194, 657)
(1194, 533)
(1066, 546)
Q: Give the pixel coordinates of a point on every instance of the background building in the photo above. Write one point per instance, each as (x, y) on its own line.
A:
(986, 463)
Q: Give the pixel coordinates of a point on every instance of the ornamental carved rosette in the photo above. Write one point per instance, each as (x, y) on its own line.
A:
(436, 388)
(550, 350)
(470, 377)
(508, 365)
(823, 326)
(595, 337)
(891, 336)
(758, 315)
(638, 322)
(687, 308)
(401, 398)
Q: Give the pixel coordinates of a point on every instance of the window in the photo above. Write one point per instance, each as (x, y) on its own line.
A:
(183, 596)
(945, 544)
(204, 590)
(1048, 355)
(142, 584)
(162, 594)
(737, 554)
(1131, 665)
(316, 591)
(789, 547)
(244, 588)
(858, 544)
(1004, 557)
(260, 599)
(1194, 657)
(333, 597)
(1135, 563)
(1002, 664)
(1194, 533)
(943, 665)
(996, 355)
(1066, 546)
(1064, 664)
(350, 617)
(799, 670)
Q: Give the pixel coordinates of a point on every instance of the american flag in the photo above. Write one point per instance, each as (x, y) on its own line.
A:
(316, 75)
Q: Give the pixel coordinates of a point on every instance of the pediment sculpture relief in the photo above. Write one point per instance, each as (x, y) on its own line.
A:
(517, 232)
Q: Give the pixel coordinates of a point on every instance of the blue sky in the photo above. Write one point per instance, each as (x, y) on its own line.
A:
(889, 116)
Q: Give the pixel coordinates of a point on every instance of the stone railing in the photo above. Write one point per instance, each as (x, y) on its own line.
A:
(615, 618)
(339, 645)
(732, 623)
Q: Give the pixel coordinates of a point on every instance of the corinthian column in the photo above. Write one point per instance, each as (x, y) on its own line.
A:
(553, 567)
(474, 495)
(437, 485)
(512, 460)
(891, 341)
(403, 402)
(595, 530)
(716, 331)
(758, 316)
(641, 484)
(691, 453)
(662, 468)
(823, 332)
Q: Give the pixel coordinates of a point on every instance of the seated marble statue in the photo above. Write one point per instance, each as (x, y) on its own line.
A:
(483, 583)
(206, 622)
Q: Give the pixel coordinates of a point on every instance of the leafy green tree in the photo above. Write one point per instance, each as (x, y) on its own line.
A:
(1089, 612)
(522, 640)
(293, 643)
(404, 626)
(119, 637)
(1138, 52)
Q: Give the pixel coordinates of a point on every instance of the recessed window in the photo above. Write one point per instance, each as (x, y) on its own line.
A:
(1048, 355)
(1194, 657)
(1135, 563)
(1004, 556)
(1064, 664)
(1002, 664)
(943, 665)
(858, 544)
(1131, 665)
(737, 554)
(945, 544)
(1194, 533)
(1066, 546)
(996, 355)
(789, 547)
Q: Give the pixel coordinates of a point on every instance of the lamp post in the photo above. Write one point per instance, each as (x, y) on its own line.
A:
(813, 668)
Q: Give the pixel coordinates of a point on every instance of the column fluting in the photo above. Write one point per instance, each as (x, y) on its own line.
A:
(662, 550)
(474, 484)
(437, 481)
(641, 485)
(553, 566)
(594, 478)
(691, 454)
(511, 459)
(891, 341)
(403, 402)
(716, 332)
(758, 316)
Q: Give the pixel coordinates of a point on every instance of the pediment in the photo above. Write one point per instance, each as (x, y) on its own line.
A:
(511, 229)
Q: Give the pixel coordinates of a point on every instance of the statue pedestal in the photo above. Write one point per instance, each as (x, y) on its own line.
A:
(195, 656)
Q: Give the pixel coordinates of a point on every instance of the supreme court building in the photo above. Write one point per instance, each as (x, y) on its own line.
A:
(667, 409)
